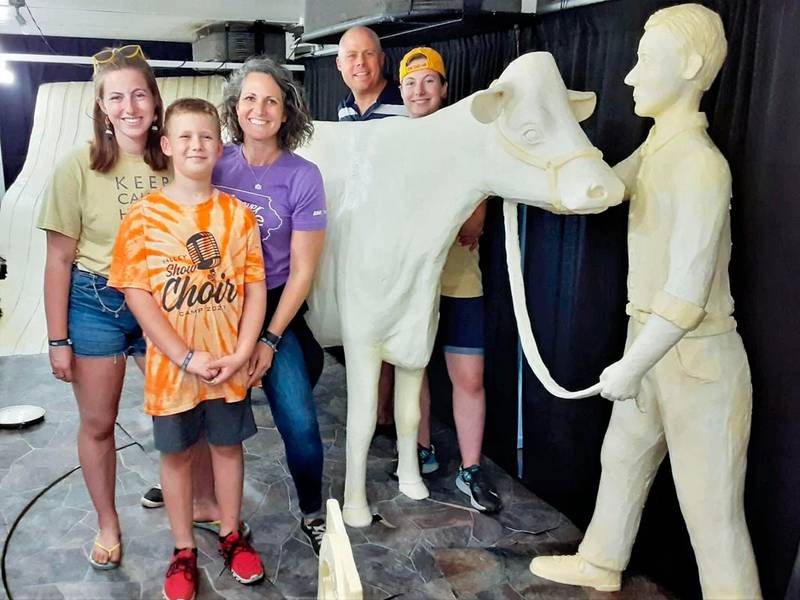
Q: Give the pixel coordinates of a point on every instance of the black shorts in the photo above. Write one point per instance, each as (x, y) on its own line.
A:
(221, 423)
(461, 325)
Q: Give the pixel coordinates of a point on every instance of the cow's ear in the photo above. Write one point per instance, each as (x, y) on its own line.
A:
(488, 104)
(582, 104)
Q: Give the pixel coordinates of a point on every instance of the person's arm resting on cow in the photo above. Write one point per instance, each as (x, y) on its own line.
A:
(472, 229)
(701, 185)
(305, 252)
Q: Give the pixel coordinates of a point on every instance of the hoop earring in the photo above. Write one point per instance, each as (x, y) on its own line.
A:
(109, 132)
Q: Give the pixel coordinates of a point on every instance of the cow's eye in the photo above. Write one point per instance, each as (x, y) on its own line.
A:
(532, 135)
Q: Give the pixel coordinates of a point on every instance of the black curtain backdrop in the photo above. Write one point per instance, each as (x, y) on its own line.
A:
(18, 100)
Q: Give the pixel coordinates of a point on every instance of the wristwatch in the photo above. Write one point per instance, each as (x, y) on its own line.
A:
(271, 340)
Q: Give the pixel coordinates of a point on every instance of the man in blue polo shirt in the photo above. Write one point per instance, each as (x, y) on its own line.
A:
(360, 61)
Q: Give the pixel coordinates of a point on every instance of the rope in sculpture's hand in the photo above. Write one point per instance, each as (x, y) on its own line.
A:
(521, 312)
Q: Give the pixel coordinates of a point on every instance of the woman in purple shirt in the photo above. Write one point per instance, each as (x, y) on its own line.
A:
(267, 118)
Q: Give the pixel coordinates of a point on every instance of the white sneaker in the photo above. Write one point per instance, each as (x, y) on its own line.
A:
(573, 570)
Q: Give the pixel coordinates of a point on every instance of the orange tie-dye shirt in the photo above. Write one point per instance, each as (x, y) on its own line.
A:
(195, 261)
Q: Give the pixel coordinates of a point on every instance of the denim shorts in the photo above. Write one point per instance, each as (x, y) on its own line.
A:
(221, 423)
(100, 323)
(461, 325)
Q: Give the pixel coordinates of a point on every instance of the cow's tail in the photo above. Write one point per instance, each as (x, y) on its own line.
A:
(526, 338)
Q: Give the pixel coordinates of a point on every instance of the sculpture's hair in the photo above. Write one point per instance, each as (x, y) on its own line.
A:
(297, 128)
(104, 150)
(368, 31)
(195, 106)
(700, 31)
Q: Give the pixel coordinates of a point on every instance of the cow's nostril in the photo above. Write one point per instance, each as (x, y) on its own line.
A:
(596, 192)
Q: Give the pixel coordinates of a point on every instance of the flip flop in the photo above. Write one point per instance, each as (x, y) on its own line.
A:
(213, 526)
(110, 564)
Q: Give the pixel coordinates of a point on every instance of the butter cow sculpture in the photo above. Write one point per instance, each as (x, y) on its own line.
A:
(684, 362)
(398, 191)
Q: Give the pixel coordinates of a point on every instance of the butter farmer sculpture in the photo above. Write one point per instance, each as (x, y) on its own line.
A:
(683, 384)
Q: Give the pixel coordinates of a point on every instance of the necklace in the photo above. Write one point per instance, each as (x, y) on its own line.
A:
(257, 186)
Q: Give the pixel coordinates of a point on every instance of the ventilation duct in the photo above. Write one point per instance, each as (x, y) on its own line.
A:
(324, 18)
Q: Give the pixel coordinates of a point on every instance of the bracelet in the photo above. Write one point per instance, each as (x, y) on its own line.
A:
(62, 342)
(187, 360)
(271, 340)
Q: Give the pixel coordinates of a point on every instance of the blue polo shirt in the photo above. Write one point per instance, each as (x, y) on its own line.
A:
(388, 104)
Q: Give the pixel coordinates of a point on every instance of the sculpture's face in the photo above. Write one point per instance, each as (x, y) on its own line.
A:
(658, 79)
(423, 92)
(360, 60)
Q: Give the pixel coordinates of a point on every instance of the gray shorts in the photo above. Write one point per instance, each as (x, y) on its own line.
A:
(221, 423)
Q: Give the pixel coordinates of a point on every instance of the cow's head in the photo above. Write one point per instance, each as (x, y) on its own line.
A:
(544, 156)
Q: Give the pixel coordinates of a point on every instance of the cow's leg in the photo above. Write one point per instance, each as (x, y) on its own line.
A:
(407, 384)
(363, 369)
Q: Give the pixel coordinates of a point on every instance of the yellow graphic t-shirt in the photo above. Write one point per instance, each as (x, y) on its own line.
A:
(89, 206)
(195, 261)
(461, 277)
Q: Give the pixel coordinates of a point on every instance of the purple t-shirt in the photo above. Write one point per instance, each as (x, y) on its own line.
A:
(287, 197)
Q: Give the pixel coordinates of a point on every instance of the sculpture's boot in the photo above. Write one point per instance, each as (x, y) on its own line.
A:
(573, 570)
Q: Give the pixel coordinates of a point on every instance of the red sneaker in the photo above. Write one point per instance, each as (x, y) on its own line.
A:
(181, 580)
(241, 559)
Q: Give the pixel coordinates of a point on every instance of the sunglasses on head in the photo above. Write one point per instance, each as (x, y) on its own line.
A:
(106, 56)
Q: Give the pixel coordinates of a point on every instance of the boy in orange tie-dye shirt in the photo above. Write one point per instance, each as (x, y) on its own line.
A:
(189, 261)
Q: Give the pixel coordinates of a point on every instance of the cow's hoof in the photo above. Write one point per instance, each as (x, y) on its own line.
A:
(359, 516)
(416, 490)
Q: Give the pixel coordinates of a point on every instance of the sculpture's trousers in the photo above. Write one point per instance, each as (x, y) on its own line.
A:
(697, 402)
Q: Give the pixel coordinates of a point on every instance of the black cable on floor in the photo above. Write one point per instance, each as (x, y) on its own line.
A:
(33, 501)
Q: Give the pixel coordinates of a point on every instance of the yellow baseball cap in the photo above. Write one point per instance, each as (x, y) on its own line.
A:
(433, 61)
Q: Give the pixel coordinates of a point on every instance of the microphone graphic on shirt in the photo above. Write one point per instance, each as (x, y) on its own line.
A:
(204, 252)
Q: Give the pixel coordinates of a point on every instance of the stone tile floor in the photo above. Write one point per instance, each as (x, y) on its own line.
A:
(432, 549)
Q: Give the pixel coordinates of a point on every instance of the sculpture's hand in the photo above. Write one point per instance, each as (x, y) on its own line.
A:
(620, 381)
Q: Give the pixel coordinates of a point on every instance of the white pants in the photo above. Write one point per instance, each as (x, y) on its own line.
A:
(697, 402)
